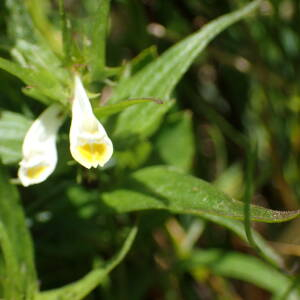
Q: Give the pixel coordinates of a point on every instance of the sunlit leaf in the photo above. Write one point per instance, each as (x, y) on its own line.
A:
(19, 24)
(20, 279)
(159, 78)
(161, 187)
(38, 14)
(13, 128)
(110, 109)
(98, 31)
(42, 81)
(242, 267)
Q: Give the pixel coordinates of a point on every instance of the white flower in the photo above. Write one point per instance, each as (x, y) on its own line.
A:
(39, 147)
(89, 143)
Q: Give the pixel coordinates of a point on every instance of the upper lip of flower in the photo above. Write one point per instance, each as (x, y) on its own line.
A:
(89, 142)
(39, 147)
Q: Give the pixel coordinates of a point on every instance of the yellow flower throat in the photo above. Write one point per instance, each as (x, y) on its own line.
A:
(35, 172)
(92, 152)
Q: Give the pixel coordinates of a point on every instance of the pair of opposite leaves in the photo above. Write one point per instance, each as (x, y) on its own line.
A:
(89, 143)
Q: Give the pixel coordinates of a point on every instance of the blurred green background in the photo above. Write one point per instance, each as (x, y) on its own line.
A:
(243, 90)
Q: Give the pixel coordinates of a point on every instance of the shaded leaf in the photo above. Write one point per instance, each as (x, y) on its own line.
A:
(81, 288)
(239, 229)
(175, 141)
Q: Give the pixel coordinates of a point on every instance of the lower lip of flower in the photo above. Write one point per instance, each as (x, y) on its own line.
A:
(92, 152)
(37, 171)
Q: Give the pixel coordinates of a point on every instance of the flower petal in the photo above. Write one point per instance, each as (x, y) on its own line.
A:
(39, 147)
(89, 142)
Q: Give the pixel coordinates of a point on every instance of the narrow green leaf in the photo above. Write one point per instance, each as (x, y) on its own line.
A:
(144, 58)
(143, 122)
(163, 187)
(98, 32)
(19, 22)
(248, 195)
(110, 109)
(241, 267)
(20, 281)
(39, 58)
(78, 290)
(13, 128)
(35, 94)
(38, 66)
(14, 69)
(290, 291)
(159, 78)
(37, 11)
(66, 32)
(10, 282)
(44, 84)
(250, 165)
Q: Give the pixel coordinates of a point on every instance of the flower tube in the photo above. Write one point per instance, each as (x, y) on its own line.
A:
(39, 147)
(89, 143)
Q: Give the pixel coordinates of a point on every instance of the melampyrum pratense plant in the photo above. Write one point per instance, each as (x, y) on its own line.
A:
(62, 64)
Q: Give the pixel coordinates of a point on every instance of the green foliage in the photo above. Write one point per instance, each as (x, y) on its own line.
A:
(177, 127)
(238, 228)
(173, 118)
(159, 78)
(37, 66)
(110, 109)
(98, 34)
(13, 128)
(19, 275)
(165, 188)
(84, 286)
(239, 266)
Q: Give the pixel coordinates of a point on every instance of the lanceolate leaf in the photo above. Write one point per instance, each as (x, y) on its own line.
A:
(13, 128)
(110, 109)
(14, 69)
(163, 187)
(98, 32)
(159, 78)
(20, 279)
(42, 81)
(9, 284)
(19, 24)
(241, 267)
(37, 12)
